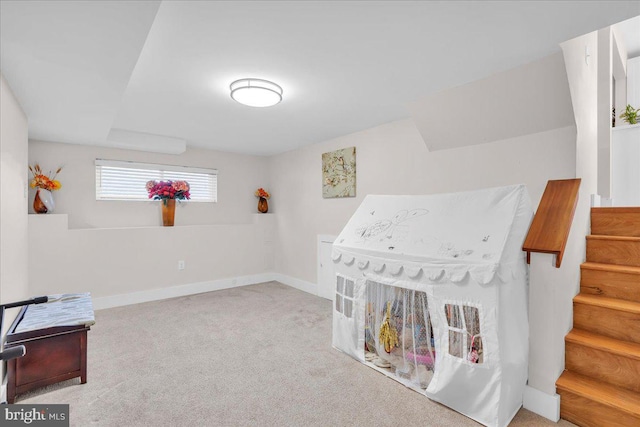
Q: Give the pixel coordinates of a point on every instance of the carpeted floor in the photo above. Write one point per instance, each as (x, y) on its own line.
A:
(258, 355)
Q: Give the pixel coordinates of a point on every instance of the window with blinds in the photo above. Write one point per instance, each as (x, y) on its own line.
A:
(121, 180)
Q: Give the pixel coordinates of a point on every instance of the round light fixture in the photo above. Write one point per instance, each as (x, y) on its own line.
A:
(256, 92)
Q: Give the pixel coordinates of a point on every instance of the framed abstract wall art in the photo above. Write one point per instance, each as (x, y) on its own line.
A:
(339, 173)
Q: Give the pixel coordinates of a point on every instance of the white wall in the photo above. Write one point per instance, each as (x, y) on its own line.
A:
(619, 69)
(552, 289)
(625, 158)
(238, 177)
(111, 248)
(143, 261)
(393, 159)
(633, 83)
(13, 203)
(605, 102)
(529, 99)
(13, 200)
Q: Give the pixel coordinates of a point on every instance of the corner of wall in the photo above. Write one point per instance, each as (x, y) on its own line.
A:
(14, 253)
(299, 284)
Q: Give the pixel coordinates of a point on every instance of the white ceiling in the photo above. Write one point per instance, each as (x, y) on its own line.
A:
(81, 68)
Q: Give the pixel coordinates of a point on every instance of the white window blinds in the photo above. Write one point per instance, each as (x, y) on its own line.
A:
(122, 180)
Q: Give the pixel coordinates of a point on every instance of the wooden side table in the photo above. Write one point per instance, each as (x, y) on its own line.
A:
(53, 354)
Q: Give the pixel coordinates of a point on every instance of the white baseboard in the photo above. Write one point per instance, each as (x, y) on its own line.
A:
(541, 403)
(179, 291)
(200, 287)
(300, 284)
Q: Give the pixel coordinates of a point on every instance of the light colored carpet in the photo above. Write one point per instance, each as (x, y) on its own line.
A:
(258, 355)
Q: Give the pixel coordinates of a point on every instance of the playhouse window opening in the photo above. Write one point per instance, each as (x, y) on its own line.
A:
(344, 296)
(398, 333)
(465, 339)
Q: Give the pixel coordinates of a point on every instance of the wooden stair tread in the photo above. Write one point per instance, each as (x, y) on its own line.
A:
(628, 269)
(606, 394)
(614, 238)
(627, 349)
(617, 210)
(610, 303)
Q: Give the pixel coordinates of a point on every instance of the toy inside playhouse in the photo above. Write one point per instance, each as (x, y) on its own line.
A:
(399, 337)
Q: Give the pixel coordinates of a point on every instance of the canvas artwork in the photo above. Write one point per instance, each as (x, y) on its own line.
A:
(339, 173)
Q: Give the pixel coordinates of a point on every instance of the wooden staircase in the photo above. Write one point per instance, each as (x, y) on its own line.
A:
(601, 382)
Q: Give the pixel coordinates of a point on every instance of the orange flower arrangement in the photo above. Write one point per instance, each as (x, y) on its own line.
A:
(262, 193)
(43, 181)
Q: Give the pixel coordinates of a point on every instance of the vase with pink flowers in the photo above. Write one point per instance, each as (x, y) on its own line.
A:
(168, 192)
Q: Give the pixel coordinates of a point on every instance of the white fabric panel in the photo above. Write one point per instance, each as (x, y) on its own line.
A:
(434, 274)
(471, 389)
(395, 269)
(378, 267)
(479, 229)
(413, 272)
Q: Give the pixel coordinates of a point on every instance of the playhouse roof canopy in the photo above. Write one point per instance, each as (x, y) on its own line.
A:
(478, 232)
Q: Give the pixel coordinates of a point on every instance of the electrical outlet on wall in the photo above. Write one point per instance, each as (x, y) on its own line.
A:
(181, 265)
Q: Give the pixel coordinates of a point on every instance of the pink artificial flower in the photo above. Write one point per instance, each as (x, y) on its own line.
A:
(180, 186)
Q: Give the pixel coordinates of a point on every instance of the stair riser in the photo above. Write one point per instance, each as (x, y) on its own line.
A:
(611, 323)
(616, 222)
(619, 252)
(610, 284)
(587, 413)
(602, 365)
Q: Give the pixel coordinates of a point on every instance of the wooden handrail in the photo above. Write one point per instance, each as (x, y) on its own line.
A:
(550, 227)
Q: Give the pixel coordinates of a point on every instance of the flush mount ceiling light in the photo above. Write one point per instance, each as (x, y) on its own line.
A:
(256, 92)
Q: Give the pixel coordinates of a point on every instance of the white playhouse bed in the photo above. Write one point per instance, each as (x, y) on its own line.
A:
(432, 291)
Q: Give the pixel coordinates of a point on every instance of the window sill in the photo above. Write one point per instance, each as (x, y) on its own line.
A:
(61, 221)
